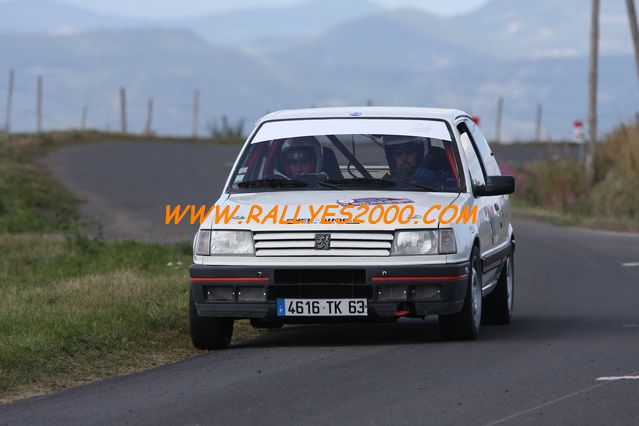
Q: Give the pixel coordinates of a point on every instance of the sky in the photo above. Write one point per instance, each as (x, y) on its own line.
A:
(163, 9)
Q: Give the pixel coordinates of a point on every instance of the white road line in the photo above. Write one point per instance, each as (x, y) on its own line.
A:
(609, 379)
(630, 264)
(631, 325)
(545, 404)
(554, 401)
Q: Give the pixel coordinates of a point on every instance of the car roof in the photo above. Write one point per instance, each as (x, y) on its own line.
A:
(365, 111)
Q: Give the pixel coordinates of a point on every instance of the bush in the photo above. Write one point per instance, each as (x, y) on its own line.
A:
(557, 184)
(561, 185)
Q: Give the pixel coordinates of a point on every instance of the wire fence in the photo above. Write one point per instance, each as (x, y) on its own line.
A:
(29, 109)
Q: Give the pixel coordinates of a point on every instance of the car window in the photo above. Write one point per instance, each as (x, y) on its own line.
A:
(474, 165)
(402, 162)
(487, 157)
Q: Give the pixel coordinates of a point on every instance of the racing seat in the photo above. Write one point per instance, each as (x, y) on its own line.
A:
(437, 161)
(330, 166)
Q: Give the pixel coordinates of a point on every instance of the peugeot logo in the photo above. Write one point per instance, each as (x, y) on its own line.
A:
(322, 241)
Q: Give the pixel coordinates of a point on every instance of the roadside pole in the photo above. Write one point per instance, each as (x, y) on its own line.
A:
(579, 137)
(500, 111)
(592, 98)
(632, 16)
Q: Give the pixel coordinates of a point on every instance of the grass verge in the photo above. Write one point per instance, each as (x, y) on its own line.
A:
(75, 309)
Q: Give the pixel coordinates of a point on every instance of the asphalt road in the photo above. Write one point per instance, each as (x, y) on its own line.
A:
(126, 186)
(576, 320)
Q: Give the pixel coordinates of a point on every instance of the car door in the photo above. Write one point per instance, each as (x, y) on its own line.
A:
(500, 203)
(485, 208)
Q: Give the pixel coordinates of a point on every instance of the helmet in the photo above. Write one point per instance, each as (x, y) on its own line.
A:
(305, 148)
(394, 143)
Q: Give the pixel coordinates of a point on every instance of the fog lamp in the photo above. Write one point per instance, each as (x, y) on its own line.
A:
(392, 292)
(251, 294)
(219, 294)
(425, 292)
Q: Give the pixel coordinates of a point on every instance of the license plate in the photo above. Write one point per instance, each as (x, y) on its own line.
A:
(321, 307)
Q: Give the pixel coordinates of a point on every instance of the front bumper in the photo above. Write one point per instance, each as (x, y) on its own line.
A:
(444, 285)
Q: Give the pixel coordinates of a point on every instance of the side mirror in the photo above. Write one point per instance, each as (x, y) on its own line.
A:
(496, 185)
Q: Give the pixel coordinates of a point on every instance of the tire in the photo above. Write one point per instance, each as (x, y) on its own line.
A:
(208, 333)
(498, 306)
(464, 325)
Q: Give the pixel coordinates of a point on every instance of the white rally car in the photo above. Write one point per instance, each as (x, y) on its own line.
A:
(289, 251)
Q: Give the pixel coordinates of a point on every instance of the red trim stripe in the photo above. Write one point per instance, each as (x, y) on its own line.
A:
(214, 279)
(450, 278)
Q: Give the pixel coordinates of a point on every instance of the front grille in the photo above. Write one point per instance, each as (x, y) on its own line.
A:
(315, 291)
(320, 284)
(319, 276)
(342, 244)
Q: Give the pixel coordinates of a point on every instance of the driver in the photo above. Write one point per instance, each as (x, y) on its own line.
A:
(301, 156)
(404, 155)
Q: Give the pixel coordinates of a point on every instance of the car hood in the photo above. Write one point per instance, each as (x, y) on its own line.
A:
(313, 200)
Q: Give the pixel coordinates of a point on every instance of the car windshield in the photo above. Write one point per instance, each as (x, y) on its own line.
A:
(404, 157)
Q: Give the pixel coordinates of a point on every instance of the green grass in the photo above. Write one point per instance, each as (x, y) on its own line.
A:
(30, 201)
(75, 309)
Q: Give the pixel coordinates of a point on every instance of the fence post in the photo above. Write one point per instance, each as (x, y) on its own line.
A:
(123, 110)
(540, 111)
(196, 111)
(39, 106)
(149, 117)
(7, 125)
(85, 113)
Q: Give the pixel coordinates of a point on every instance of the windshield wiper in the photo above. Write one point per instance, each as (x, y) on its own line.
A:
(417, 185)
(370, 182)
(272, 183)
(329, 185)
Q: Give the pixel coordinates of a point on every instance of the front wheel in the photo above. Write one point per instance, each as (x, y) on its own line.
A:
(498, 306)
(464, 325)
(208, 333)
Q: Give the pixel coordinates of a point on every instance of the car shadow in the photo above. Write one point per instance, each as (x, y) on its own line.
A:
(524, 328)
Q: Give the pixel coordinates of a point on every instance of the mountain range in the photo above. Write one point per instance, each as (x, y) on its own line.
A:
(323, 53)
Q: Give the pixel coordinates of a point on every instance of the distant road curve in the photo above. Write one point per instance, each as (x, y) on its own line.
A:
(127, 185)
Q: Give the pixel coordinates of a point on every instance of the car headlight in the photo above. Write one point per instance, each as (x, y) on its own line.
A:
(236, 243)
(424, 242)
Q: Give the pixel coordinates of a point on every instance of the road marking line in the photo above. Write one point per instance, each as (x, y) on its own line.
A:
(630, 264)
(631, 325)
(546, 404)
(608, 379)
(554, 401)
